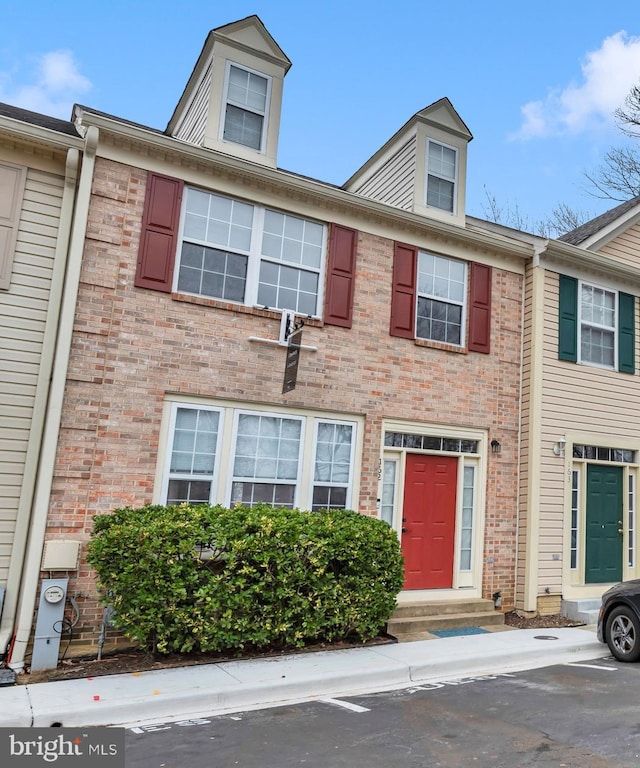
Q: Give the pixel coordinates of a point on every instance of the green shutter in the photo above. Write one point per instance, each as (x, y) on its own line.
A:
(626, 333)
(568, 319)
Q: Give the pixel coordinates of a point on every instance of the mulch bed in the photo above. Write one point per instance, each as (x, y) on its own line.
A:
(135, 660)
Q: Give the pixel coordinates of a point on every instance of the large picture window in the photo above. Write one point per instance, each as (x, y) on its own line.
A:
(270, 459)
(238, 252)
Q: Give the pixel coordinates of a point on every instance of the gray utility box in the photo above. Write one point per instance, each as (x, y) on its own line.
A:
(50, 624)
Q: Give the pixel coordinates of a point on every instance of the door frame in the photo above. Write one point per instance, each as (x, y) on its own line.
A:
(468, 581)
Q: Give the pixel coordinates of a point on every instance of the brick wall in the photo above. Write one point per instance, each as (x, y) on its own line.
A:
(131, 346)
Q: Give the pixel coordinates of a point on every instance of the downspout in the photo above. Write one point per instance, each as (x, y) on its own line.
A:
(19, 544)
(52, 426)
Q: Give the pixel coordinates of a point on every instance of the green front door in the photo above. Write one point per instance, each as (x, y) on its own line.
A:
(603, 550)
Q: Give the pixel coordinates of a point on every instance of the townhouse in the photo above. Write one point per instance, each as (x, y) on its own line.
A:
(425, 385)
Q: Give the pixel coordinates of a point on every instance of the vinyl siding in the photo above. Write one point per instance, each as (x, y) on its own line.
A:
(23, 311)
(625, 248)
(576, 398)
(393, 182)
(192, 126)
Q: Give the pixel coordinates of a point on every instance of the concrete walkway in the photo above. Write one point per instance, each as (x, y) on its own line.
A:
(233, 686)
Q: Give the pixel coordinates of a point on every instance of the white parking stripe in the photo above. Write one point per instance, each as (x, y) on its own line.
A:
(345, 705)
(591, 666)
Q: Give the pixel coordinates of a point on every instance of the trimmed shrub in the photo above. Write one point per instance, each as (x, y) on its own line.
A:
(272, 577)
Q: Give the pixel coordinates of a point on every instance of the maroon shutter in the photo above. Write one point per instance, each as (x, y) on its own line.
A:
(480, 308)
(341, 271)
(158, 239)
(403, 292)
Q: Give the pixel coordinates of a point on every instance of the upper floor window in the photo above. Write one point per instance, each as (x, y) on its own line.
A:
(442, 163)
(240, 252)
(442, 289)
(596, 325)
(246, 103)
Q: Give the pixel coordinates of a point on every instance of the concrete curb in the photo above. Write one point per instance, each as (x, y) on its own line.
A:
(213, 689)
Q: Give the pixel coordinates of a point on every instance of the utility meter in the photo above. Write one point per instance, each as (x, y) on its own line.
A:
(53, 594)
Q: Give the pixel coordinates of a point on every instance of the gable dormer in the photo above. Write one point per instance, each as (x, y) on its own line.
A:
(423, 167)
(233, 99)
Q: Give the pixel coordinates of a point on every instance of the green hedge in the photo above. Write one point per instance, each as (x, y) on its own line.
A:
(276, 577)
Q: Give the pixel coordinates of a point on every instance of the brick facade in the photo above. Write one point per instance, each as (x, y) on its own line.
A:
(132, 346)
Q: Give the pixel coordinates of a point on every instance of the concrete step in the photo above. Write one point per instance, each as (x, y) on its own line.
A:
(586, 610)
(411, 625)
(432, 608)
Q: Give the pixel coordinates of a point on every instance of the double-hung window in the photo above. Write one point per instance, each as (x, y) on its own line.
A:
(442, 288)
(442, 169)
(239, 252)
(282, 459)
(246, 103)
(596, 325)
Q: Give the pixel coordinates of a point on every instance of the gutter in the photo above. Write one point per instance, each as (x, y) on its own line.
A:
(288, 181)
(19, 545)
(33, 559)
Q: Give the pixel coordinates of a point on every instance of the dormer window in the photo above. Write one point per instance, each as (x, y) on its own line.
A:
(442, 171)
(247, 97)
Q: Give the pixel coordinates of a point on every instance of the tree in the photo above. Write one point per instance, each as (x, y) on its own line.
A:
(561, 220)
(618, 178)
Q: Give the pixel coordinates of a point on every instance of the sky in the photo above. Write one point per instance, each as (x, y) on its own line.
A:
(536, 83)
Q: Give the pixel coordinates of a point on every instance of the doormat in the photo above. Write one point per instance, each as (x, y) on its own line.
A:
(459, 631)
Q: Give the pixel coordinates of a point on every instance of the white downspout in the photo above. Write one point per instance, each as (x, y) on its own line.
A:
(52, 426)
(19, 544)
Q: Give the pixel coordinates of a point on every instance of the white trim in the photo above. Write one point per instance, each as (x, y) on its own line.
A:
(312, 482)
(608, 329)
(254, 254)
(225, 101)
(453, 181)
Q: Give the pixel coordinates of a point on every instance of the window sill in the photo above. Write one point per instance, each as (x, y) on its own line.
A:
(229, 306)
(441, 345)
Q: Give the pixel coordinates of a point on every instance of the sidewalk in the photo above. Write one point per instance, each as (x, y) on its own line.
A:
(234, 686)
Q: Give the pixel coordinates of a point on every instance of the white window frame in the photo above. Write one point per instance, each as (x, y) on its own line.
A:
(226, 101)
(223, 475)
(454, 180)
(167, 474)
(254, 254)
(463, 304)
(312, 482)
(589, 324)
(234, 441)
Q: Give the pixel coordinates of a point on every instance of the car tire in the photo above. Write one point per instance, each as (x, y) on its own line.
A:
(622, 634)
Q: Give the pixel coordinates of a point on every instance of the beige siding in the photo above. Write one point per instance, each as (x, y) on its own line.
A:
(193, 125)
(577, 399)
(23, 310)
(625, 248)
(394, 182)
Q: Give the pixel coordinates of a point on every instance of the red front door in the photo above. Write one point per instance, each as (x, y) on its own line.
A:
(428, 525)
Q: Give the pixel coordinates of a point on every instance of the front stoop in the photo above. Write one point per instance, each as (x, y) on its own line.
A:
(410, 620)
(585, 610)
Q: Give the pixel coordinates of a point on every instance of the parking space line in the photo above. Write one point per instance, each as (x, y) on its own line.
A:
(590, 666)
(345, 705)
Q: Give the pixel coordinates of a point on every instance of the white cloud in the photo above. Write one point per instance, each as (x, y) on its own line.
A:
(55, 85)
(607, 76)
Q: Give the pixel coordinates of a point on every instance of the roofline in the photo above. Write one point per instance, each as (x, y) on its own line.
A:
(555, 253)
(294, 182)
(38, 133)
(613, 229)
